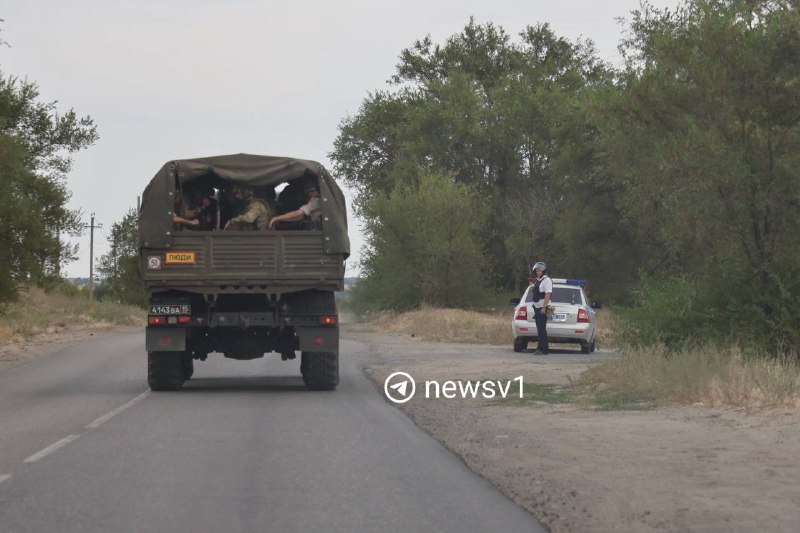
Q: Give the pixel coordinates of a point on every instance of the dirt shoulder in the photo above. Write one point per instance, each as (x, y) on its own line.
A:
(678, 468)
(17, 353)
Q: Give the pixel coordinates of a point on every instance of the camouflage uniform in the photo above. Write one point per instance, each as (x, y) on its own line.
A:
(254, 213)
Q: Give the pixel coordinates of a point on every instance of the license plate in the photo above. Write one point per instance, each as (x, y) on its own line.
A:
(559, 317)
(170, 310)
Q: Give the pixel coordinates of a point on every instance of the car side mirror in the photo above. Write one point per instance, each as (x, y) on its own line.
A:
(514, 301)
(597, 305)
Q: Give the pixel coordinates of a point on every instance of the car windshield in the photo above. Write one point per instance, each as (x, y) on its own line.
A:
(561, 295)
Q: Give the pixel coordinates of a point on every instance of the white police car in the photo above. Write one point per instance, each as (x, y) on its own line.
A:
(573, 320)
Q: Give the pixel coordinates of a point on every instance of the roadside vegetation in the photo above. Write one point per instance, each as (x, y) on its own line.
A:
(646, 378)
(709, 375)
(448, 325)
(438, 324)
(641, 377)
(36, 145)
(37, 142)
(61, 308)
(669, 183)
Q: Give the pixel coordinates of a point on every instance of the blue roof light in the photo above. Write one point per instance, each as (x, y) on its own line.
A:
(570, 281)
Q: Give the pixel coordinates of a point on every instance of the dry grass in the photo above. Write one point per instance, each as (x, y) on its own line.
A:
(449, 325)
(710, 376)
(604, 326)
(470, 327)
(40, 313)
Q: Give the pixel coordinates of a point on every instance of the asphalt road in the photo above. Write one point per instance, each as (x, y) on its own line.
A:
(244, 447)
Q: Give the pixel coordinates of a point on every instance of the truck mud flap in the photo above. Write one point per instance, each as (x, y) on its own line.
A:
(318, 339)
(166, 340)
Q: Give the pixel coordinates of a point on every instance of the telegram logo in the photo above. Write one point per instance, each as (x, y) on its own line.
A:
(399, 387)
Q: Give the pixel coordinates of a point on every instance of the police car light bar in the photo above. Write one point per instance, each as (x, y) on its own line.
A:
(569, 281)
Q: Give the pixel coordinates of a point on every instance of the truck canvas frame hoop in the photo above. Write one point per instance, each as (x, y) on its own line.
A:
(241, 293)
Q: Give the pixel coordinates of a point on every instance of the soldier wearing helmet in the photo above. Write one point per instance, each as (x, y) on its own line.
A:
(252, 213)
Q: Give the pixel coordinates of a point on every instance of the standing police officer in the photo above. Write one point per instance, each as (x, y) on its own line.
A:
(542, 292)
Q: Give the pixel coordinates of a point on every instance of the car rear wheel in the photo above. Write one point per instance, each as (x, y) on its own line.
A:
(593, 346)
(520, 343)
(585, 347)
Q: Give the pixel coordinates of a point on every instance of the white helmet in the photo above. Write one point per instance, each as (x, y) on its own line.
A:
(540, 265)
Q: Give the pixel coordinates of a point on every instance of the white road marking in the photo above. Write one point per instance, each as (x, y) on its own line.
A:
(4, 477)
(50, 449)
(118, 410)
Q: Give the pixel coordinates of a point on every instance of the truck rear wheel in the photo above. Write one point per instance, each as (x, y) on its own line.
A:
(320, 370)
(164, 371)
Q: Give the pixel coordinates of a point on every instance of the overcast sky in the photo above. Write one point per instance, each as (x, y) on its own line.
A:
(179, 79)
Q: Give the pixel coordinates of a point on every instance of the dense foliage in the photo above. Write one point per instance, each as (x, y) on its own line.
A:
(120, 266)
(702, 136)
(671, 183)
(498, 116)
(35, 147)
(423, 247)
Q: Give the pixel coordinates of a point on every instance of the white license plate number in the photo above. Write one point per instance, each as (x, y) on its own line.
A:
(170, 310)
(559, 317)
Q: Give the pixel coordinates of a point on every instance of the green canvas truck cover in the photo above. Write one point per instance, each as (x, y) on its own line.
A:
(155, 217)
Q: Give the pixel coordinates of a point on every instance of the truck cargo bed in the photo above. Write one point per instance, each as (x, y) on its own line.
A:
(243, 262)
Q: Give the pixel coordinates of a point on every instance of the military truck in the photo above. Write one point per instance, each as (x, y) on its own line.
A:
(243, 294)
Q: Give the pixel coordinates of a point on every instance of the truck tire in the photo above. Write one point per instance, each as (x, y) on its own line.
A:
(187, 365)
(320, 370)
(164, 371)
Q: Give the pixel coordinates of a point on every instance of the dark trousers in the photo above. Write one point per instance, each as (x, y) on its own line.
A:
(541, 328)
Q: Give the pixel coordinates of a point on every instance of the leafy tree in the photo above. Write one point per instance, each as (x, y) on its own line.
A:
(498, 116)
(35, 147)
(422, 247)
(120, 266)
(702, 136)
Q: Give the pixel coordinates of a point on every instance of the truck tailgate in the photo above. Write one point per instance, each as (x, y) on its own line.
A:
(274, 258)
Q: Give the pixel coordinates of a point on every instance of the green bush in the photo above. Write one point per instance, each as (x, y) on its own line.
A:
(681, 311)
(423, 249)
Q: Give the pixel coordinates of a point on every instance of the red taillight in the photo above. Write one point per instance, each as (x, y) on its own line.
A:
(184, 319)
(583, 316)
(327, 320)
(156, 320)
(522, 314)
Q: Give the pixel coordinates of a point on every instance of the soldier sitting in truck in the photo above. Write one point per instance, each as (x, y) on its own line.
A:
(252, 213)
(182, 215)
(311, 211)
(196, 209)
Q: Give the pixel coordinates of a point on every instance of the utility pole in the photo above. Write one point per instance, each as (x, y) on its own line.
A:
(91, 227)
